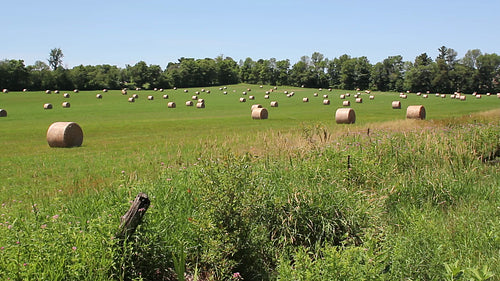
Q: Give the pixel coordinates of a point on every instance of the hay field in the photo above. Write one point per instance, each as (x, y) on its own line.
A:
(137, 137)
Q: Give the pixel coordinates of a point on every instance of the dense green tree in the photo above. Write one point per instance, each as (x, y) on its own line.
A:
(335, 69)
(488, 73)
(227, 70)
(13, 74)
(419, 76)
(470, 58)
(282, 69)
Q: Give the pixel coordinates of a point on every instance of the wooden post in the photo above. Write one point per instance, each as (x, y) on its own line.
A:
(133, 216)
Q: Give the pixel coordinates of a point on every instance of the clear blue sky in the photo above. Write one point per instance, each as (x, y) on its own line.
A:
(120, 32)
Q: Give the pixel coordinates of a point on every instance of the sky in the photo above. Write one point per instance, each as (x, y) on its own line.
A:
(121, 32)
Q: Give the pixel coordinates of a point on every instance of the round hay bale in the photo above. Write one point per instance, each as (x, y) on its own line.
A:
(5, 91)
(285, 92)
(249, 89)
(56, 92)
(124, 92)
(267, 92)
(25, 90)
(165, 96)
(155, 89)
(99, 96)
(104, 90)
(356, 96)
(64, 134)
(244, 93)
(498, 95)
(48, 92)
(66, 104)
(259, 113)
(3, 112)
(171, 104)
(403, 96)
(208, 91)
(161, 90)
(292, 94)
(251, 97)
(372, 97)
(196, 93)
(488, 94)
(66, 95)
(189, 103)
(359, 100)
(175, 88)
(305, 99)
(225, 93)
(135, 96)
(225, 88)
(346, 103)
(478, 96)
(266, 97)
(453, 96)
(75, 91)
(443, 96)
(276, 88)
(138, 89)
(185, 91)
(254, 106)
(345, 116)
(329, 89)
(200, 105)
(274, 104)
(315, 94)
(131, 99)
(347, 95)
(342, 97)
(47, 106)
(425, 96)
(415, 112)
(320, 89)
(419, 93)
(243, 100)
(437, 95)
(326, 102)
(396, 105)
(194, 97)
(151, 97)
(325, 96)
(201, 100)
(462, 98)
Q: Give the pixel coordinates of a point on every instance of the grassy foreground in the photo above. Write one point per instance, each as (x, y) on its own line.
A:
(294, 197)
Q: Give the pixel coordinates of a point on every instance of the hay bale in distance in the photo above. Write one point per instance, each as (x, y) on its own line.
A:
(201, 100)
(5, 91)
(66, 95)
(66, 104)
(478, 96)
(48, 92)
(243, 100)
(47, 106)
(151, 97)
(325, 96)
(315, 94)
(99, 96)
(64, 134)
(194, 97)
(200, 105)
(326, 102)
(3, 112)
(104, 90)
(131, 99)
(345, 116)
(266, 97)
(56, 92)
(189, 103)
(135, 96)
(415, 112)
(274, 104)
(372, 97)
(396, 105)
(425, 96)
(359, 100)
(165, 96)
(342, 97)
(305, 99)
(346, 103)
(171, 104)
(124, 92)
(251, 97)
(259, 113)
(75, 91)
(462, 98)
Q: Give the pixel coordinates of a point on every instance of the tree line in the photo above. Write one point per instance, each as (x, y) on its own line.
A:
(475, 72)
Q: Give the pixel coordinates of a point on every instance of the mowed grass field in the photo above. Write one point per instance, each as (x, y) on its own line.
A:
(138, 137)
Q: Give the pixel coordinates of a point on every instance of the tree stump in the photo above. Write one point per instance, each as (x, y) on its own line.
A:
(133, 217)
